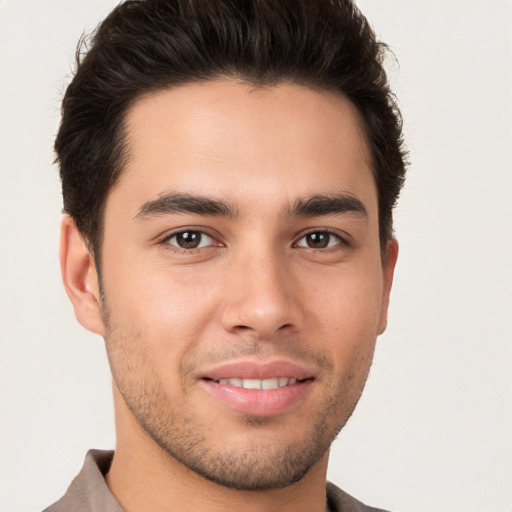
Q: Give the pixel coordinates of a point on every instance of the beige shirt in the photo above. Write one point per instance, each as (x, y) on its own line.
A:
(89, 492)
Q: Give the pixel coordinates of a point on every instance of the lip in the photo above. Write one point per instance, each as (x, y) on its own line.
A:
(258, 370)
(258, 402)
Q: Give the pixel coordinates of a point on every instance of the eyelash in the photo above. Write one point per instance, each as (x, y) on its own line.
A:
(182, 250)
(341, 241)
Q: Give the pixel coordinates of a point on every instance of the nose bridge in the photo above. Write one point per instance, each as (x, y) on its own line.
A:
(262, 293)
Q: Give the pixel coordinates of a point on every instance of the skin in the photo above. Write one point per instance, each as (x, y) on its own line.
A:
(259, 288)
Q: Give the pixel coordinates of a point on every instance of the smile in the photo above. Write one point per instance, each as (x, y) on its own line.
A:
(259, 388)
(273, 383)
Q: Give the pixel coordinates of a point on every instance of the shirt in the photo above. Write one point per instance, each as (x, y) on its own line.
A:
(89, 492)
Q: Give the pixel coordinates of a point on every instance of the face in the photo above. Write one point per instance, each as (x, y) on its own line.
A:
(243, 286)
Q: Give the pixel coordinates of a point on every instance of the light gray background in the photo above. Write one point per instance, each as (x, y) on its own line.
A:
(433, 430)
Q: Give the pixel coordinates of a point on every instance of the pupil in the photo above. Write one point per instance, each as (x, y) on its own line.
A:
(318, 240)
(189, 239)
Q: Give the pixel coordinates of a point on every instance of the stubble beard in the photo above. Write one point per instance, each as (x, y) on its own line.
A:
(259, 464)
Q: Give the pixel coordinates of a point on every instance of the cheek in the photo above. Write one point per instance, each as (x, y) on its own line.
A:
(168, 308)
(348, 314)
(349, 300)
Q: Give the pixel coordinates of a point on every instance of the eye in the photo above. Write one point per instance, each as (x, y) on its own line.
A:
(190, 239)
(319, 240)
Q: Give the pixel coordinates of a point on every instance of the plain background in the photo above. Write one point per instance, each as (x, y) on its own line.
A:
(433, 431)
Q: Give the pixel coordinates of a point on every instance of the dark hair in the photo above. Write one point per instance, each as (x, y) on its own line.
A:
(148, 45)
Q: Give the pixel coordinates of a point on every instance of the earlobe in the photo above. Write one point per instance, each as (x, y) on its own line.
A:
(388, 270)
(80, 277)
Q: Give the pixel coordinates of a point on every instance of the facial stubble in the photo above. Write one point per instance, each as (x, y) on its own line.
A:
(261, 462)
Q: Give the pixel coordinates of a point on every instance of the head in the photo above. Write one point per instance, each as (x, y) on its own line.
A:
(232, 168)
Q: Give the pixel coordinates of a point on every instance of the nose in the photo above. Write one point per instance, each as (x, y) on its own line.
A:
(261, 297)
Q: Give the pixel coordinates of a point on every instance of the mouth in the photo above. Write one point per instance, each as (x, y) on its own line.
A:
(272, 383)
(258, 389)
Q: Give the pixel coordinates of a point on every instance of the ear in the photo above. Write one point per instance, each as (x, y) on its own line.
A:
(80, 277)
(388, 270)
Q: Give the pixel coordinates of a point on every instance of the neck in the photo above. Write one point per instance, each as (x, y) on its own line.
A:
(145, 477)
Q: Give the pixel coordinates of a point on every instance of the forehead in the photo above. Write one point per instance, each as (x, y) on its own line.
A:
(226, 138)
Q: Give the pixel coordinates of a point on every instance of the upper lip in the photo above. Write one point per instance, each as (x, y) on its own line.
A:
(250, 369)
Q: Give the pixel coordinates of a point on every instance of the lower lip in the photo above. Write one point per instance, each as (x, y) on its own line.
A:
(258, 402)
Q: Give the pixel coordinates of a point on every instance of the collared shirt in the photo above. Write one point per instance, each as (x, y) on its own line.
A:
(89, 492)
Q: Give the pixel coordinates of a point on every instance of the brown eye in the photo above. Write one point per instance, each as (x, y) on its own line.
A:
(319, 240)
(190, 240)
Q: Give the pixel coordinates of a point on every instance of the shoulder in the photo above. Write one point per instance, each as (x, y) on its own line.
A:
(340, 501)
(88, 492)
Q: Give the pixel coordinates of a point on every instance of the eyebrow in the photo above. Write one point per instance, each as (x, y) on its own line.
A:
(312, 206)
(318, 205)
(185, 203)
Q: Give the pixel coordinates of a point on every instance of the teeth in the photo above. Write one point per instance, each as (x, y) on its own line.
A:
(252, 383)
(274, 383)
(270, 384)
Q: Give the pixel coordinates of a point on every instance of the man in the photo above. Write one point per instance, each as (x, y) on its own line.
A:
(229, 170)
